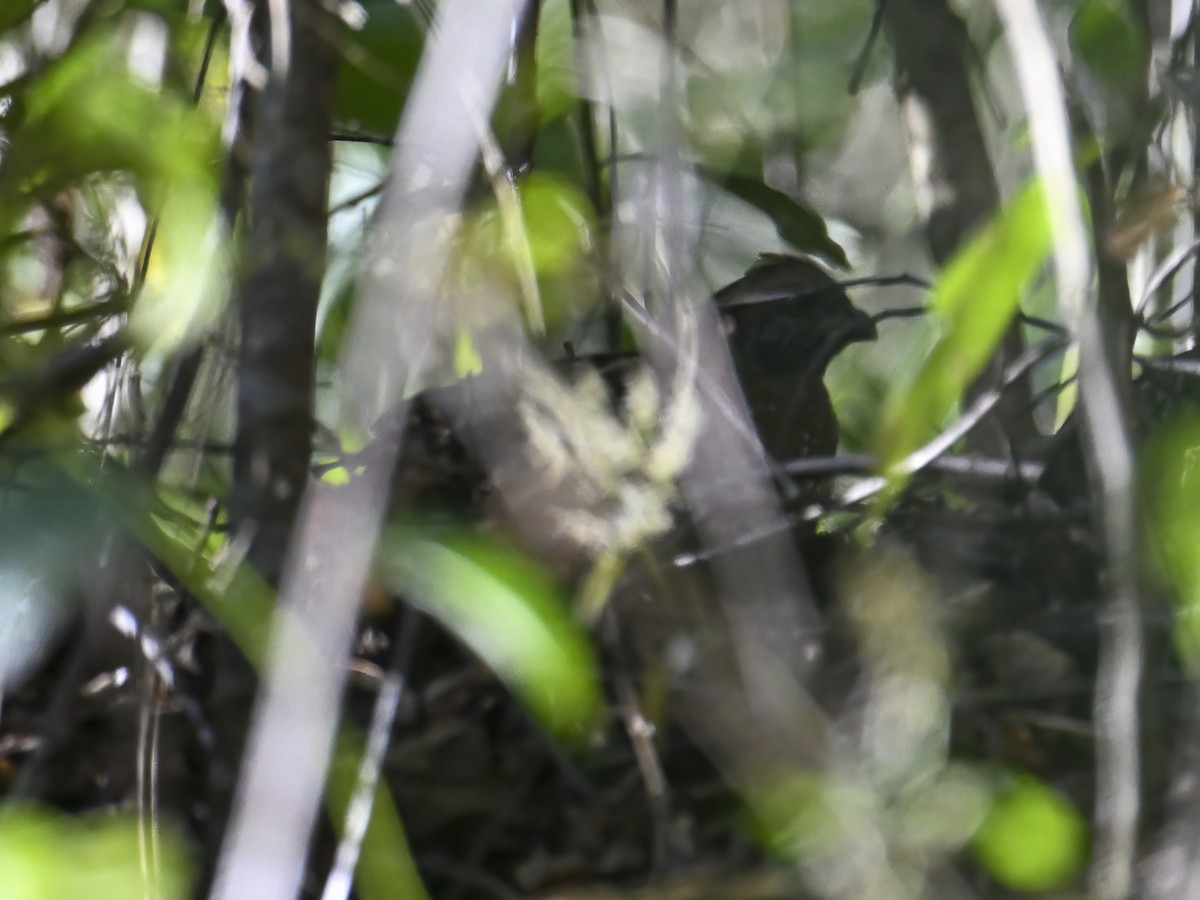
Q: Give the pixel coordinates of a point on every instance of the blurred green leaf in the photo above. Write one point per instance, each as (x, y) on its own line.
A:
(104, 859)
(88, 114)
(550, 227)
(1170, 480)
(386, 870)
(189, 276)
(379, 61)
(558, 222)
(1111, 44)
(506, 610)
(797, 224)
(16, 11)
(808, 817)
(557, 89)
(973, 303)
(1032, 839)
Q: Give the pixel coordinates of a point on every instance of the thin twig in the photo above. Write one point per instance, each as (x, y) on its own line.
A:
(383, 717)
(1118, 759)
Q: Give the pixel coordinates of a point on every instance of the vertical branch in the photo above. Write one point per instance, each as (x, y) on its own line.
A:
(276, 300)
(1117, 682)
(296, 719)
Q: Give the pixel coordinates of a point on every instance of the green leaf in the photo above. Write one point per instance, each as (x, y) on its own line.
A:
(189, 276)
(558, 222)
(557, 88)
(104, 859)
(508, 612)
(797, 224)
(547, 241)
(1109, 42)
(807, 817)
(1032, 839)
(89, 114)
(1170, 480)
(972, 303)
(386, 869)
(379, 62)
(17, 11)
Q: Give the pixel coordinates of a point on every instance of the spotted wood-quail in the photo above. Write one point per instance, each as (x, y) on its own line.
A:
(786, 320)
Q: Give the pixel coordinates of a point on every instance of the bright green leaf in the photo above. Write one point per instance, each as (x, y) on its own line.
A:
(467, 360)
(973, 303)
(558, 220)
(1032, 839)
(105, 861)
(506, 610)
(188, 279)
(88, 113)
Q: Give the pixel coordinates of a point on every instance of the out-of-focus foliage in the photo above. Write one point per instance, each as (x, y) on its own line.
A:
(45, 857)
(557, 82)
(380, 50)
(973, 303)
(875, 822)
(1112, 49)
(551, 239)
(89, 113)
(1170, 478)
(386, 870)
(104, 137)
(1032, 838)
(507, 611)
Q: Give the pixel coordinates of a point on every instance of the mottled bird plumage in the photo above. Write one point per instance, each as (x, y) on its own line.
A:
(786, 320)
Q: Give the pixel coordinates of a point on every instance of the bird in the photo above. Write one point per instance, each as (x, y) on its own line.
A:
(786, 320)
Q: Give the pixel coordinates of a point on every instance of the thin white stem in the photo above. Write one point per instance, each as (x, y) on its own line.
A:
(1116, 712)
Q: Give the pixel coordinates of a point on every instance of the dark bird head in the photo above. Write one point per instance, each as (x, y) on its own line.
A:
(785, 316)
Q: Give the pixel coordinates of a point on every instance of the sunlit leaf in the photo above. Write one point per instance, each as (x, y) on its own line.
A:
(467, 360)
(188, 279)
(559, 220)
(1032, 839)
(104, 855)
(89, 113)
(507, 611)
(972, 304)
